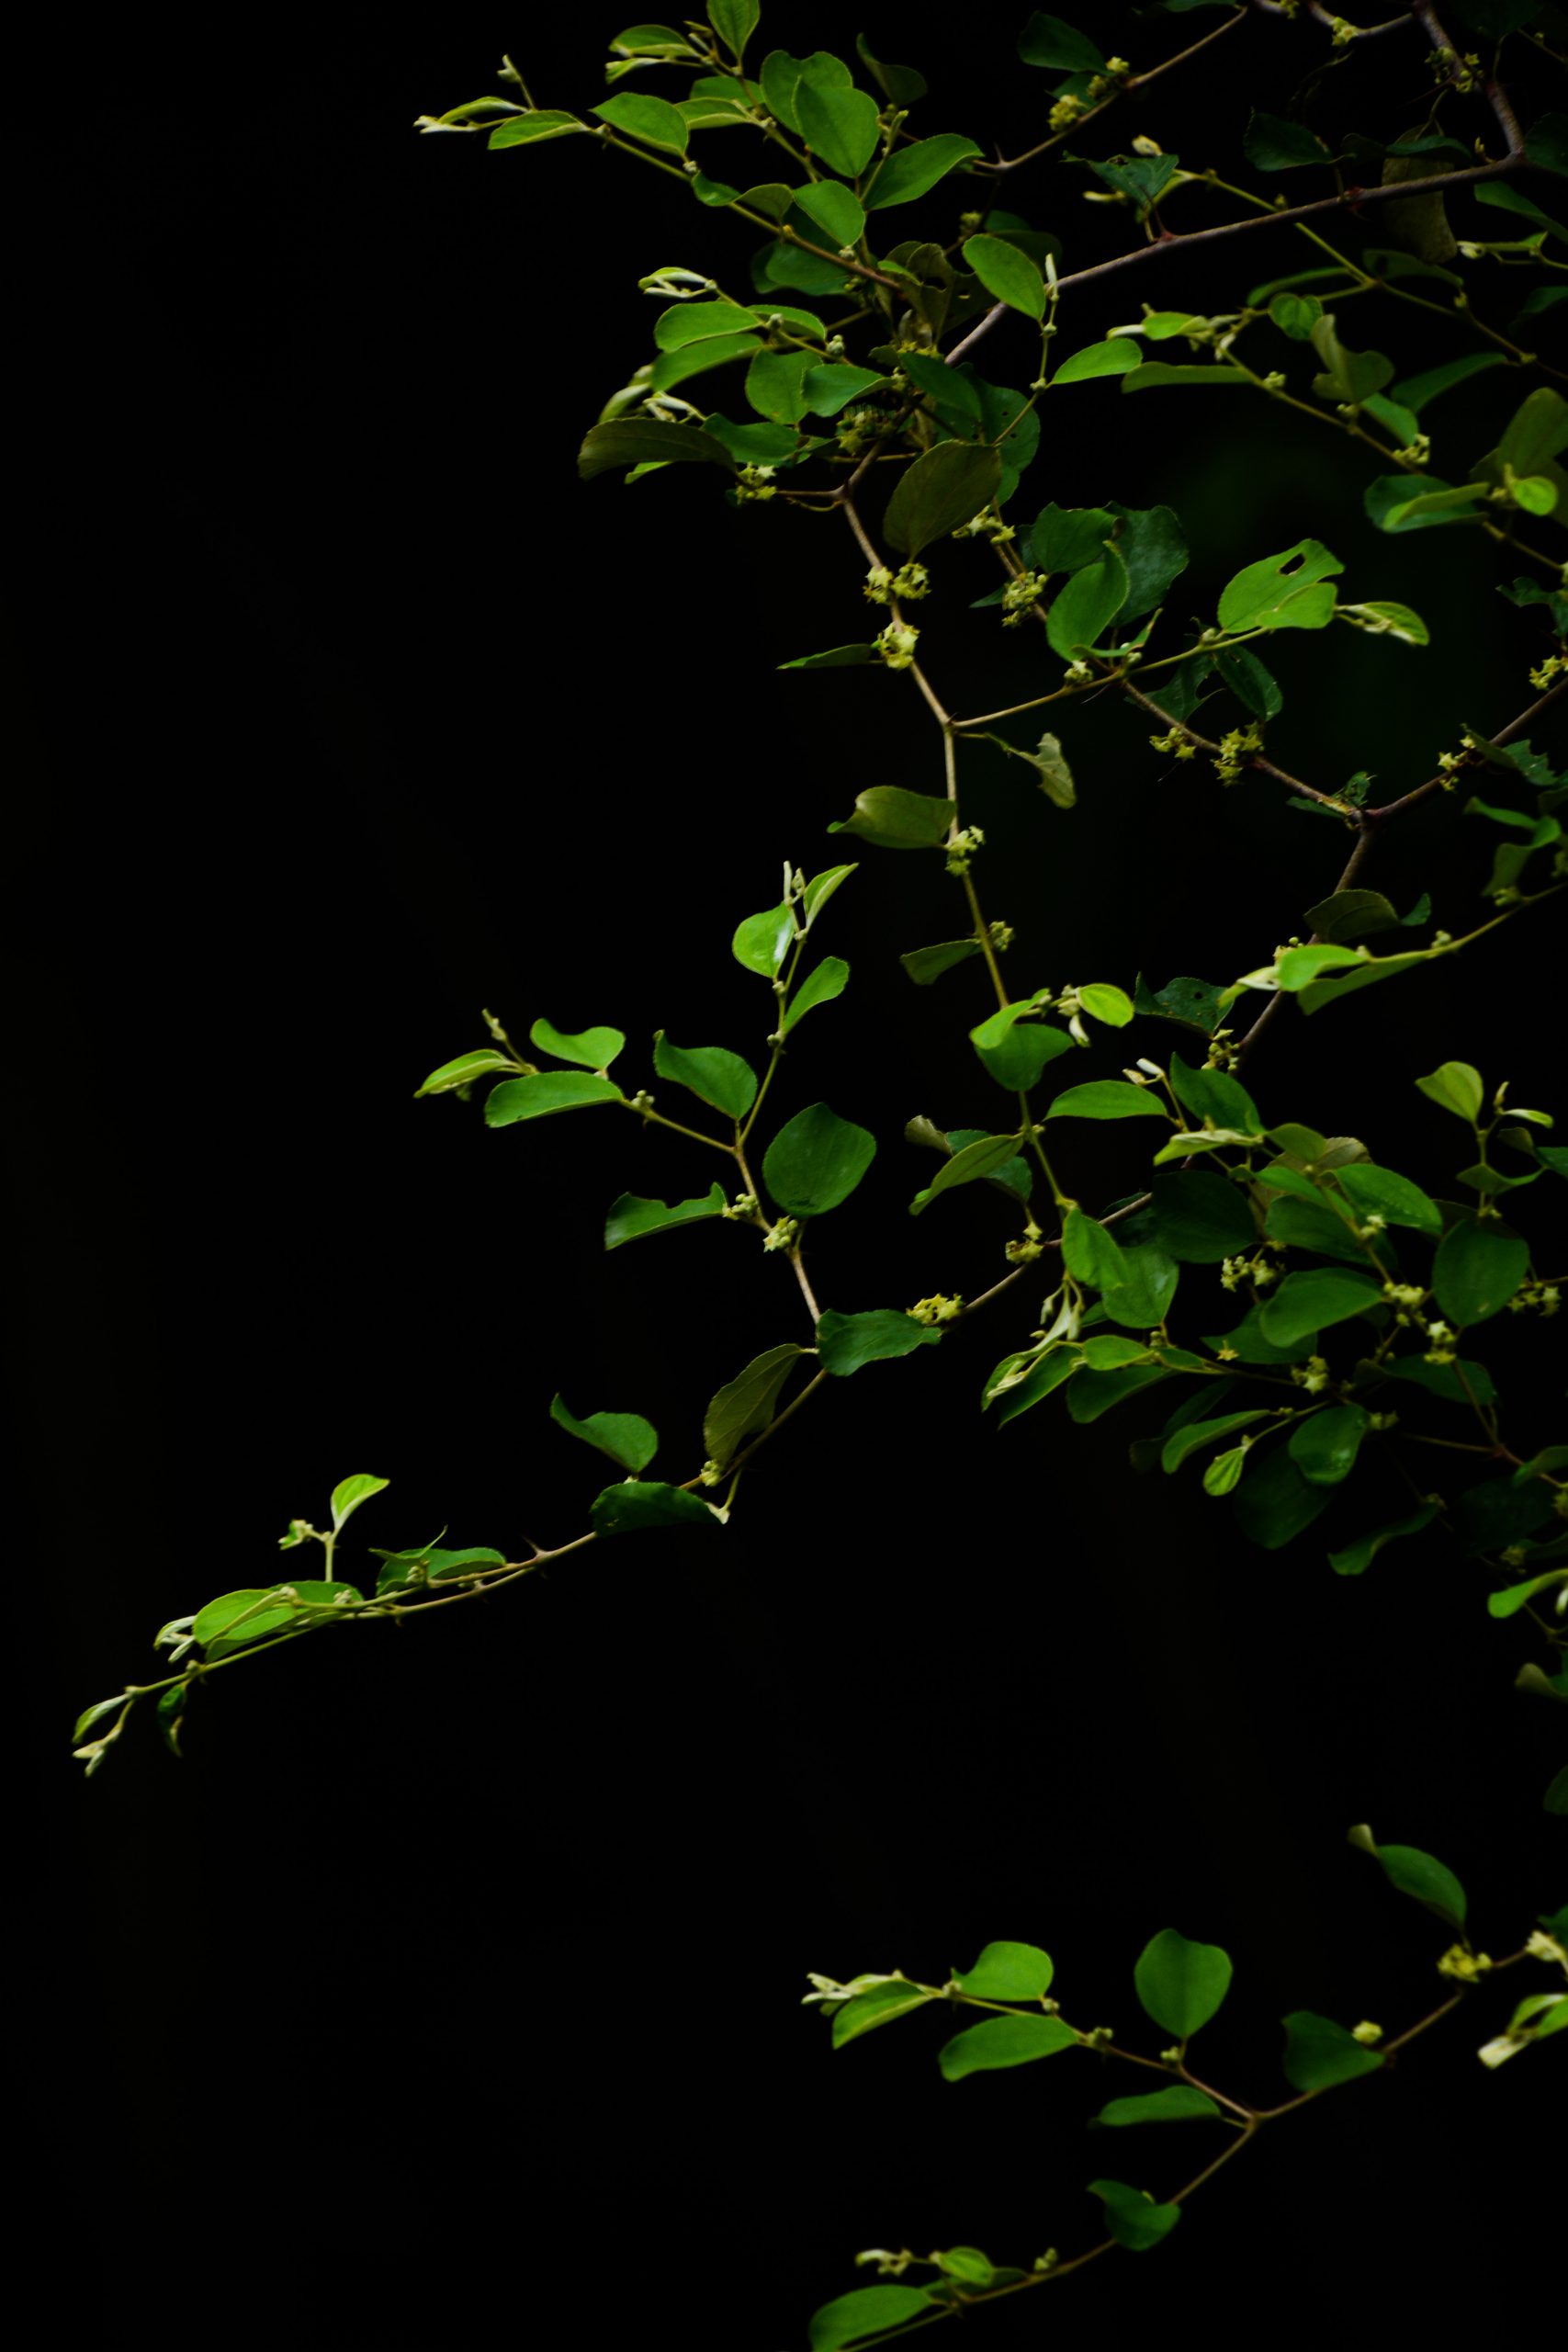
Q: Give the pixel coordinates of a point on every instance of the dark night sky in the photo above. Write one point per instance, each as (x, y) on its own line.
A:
(454, 1983)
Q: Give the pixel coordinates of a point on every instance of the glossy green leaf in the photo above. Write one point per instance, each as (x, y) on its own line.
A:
(687, 323)
(1288, 591)
(538, 122)
(641, 1503)
(349, 1492)
(1178, 2104)
(1015, 1048)
(1084, 606)
(816, 1161)
(968, 1166)
(1213, 1095)
(878, 2005)
(1309, 1302)
(831, 388)
(1394, 505)
(1193, 1435)
(548, 1091)
(1006, 275)
(1091, 1253)
(1477, 1270)
(734, 21)
(1320, 2055)
(925, 965)
(1353, 1559)
(835, 210)
(1153, 548)
(1142, 1299)
(1017, 1393)
(1006, 1972)
(1379, 1191)
(594, 1048)
(1275, 1503)
(1325, 1445)
(1182, 1985)
(465, 1071)
(630, 1218)
(1113, 358)
(711, 1072)
(1200, 1218)
(1108, 1098)
(823, 887)
(653, 120)
(913, 170)
(1132, 2216)
(1065, 538)
(867, 2312)
(626, 1438)
(878, 1335)
(639, 441)
(838, 124)
(1456, 1087)
(828, 979)
(762, 940)
(747, 1404)
(1421, 1876)
(1105, 1003)
(945, 486)
(1003, 2041)
(672, 368)
(893, 819)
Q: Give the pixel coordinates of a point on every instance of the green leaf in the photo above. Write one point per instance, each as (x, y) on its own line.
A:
(1442, 1379)
(1003, 2041)
(1160, 375)
(1379, 1191)
(1179, 2105)
(878, 1335)
(1113, 358)
(548, 1090)
(1142, 180)
(1199, 1004)
(1288, 591)
(653, 120)
(1456, 1087)
(762, 940)
(539, 123)
(1277, 1504)
(1092, 1253)
(1132, 2216)
(1325, 1445)
(1063, 538)
(1546, 143)
(815, 1163)
(1056, 775)
(1108, 1098)
(925, 965)
(831, 388)
(775, 384)
(1317, 994)
(747, 1403)
(821, 887)
(841, 125)
(639, 1503)
(1308, 1303)
(1212, 1095)
(688, 322)
(1477, 1270)
(674, 368)
(1006, 275)
(1046, 41)
(1142, 1300)
(711, 1072)
(911, 171)
(1016, 1047)
(630, 1218)
(1507, 1603)
(1153, 548)
(893, 819)
(626, 1438)
(1043, 1377)
(1348, 377)
(838, 657)
(1084, 608)
(1007, 1971)
(639, 441)
(594, 1048)
(1092, 1394)
(866, 2312)
(349, 1492)
(945, 486)
(968, 1166)
(1385, 619)
(1415, 391)
(1353, 1559)
(1192, 1435)
(821, 986)
(734, 21)
(1320, 2055)
(1182, 1985)
(1421, 1876)
(464, 1071)
(1270, 144)
(1352, 914)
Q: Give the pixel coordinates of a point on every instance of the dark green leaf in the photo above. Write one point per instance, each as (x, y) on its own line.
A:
(1214, 1096)
(1352, 1559)
(985, 1157)
(1307, 1302)
(747, 1403)
(1065, 538)
(1160, 375)
(1093, 1393)
(1421, 1876)
(815, 1163)
(1477, 1270)
(925, 965)
(1200, 1218)
(1325, 1445)
(911, 171)
(1415, 391)
(1348, 377)
(945, 486)
(1182, 1985)
(841, 125)
(639, 441)
(838, 657)
(878, 1335)
(1003, 2041)
(1546, 143)
(630, 1216)
(1091, 1253)
(1179, 2105)
(1046, 41)
(1443, 1379)
(639, 1503)
(626, 1438)
(834, 211)
(1006, 273)
(893, 819)
(711, 1072)
(1199, 1004)
(1007, 1973)
(1319, 2054)
(1153, 548)
(1084, 608)
(1193, 1435)
(832, 388)
(1015, 1048)
(1270, 144)
(1143, 1299)
(547, 1092)
(1275, 1503)
(1379, 1191)
(1131, 2217)
(866, 2312)
(1352, 914)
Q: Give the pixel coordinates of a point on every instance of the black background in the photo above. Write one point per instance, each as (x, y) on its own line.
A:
(453, 1981)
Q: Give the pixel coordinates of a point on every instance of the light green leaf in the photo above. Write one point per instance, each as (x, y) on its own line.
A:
(1352, 1559)
(1132, 2216)
(1514, 1597)
(763, 941)
(1056, 775)
(747, 1403)
(878, 2005)
(841, 125)
(1142, 1300)
(464, 1071)
(816, 1161)
(868, 2311)
(626, 1438)
(1107, 1003)
(1108, 1098)
(945, 486)
(1003, 2041)
(1161, 375)
(913, 170)
(711, 1072)
(1179, 2105)
(1006, 275)
(1084, 606)
(1456, 1087)
(1347, 378)
(820, 888)
(829, 978)
(1182, 1985)
(1421, 1876)
(1320, 2055)
(653, 120)
(1477, 1270)
(539, 123)
(1108, 359)
(1007, 1973)
(878, 1335)
(630, 1218)
(594, 1048)
(1015, 1048)
(349, 1492)
(831, 388)
(639, 1503)
(687, 323)
(893, 819)
(1307, 1302)
(1288, 591)
(1384, 620)
(548, 1090)
(968, 1166)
